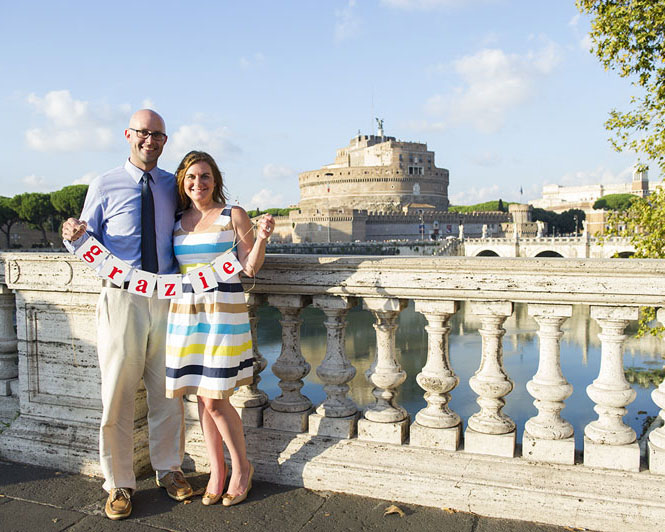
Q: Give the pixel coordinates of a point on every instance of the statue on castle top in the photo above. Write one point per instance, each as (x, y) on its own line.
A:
(379, 122)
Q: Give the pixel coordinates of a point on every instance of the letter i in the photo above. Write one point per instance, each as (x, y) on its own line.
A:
(203, 280)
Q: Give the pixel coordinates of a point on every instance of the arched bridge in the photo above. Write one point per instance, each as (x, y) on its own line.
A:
(569, 247)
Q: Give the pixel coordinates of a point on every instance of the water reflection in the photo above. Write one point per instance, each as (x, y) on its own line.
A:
(580, 361)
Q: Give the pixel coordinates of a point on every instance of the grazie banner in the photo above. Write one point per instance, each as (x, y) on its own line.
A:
(143, 283)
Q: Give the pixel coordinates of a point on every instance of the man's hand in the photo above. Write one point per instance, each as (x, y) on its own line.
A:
(73, 229)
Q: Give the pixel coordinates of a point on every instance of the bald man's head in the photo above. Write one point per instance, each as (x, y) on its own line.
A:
(146, 135)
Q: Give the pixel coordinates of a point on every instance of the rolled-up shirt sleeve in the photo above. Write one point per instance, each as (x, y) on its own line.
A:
(93, 215)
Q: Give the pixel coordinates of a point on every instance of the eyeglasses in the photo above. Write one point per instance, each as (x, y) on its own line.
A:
(145, 133)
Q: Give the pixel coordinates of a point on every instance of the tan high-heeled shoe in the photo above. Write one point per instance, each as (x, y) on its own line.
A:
(208, 498)
(230, 500)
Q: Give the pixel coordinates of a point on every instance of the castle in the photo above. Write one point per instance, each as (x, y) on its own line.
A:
(377, 189)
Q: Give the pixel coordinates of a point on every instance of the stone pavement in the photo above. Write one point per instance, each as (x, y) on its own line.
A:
(44, 500)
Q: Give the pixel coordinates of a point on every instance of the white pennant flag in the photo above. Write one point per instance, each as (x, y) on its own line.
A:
(115, 270)
(226, 266)
(142, 283)
(169, 286)
(92, 252)
(202, 279)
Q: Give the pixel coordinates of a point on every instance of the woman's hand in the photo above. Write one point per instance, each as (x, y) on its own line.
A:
(265, 226)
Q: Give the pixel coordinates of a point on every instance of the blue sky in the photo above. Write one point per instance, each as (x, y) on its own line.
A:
(505, 92)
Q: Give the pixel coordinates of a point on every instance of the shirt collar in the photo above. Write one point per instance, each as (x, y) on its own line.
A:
(136, 173)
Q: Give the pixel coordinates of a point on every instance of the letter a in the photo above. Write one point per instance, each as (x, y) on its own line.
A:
(142, 286)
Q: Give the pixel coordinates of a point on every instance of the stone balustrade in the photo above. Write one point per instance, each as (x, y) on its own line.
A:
(380, 451)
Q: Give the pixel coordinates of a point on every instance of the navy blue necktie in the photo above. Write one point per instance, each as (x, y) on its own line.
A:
(149, 261)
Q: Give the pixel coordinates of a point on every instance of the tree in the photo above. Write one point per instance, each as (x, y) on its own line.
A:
(68, 201)
(559, 223)
(614, 202)
(628, 36)
(36, 210)
(8, 217)
(488, 206)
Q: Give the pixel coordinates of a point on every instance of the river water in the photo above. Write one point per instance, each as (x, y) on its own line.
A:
(580, 361)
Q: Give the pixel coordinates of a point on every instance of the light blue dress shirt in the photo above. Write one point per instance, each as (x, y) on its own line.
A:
(112, 210)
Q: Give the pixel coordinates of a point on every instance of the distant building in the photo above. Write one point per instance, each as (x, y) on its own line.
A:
(380, 188)
(377, 173)
(558, 198)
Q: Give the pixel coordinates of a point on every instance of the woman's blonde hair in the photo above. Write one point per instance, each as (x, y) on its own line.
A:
(193, 157)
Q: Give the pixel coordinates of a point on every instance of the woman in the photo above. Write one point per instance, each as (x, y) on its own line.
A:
(209, 346)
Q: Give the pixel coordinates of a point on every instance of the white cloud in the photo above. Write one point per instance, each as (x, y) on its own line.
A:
(277, 171)
(198, 136)
(347, 23)
(85, 179)
(34, 182)
(586, 43)
(595, 176)
(265, 199)
(255, 60)
(493, 83)
(574, 21)
(473, 195)
(147, 103)
(72, 124)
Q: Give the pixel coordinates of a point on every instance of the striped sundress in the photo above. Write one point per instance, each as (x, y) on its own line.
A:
(208, 343)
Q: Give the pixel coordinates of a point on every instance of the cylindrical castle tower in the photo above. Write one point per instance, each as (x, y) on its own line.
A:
(379, 174)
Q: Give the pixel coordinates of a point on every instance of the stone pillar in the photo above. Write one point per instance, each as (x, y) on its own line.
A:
(337, 416)
(608, 441)
(385, 421)
(657, 437)
(437, 425)
(248, 400)
(548, 437)
(8, 342)
(490, 431)
(290, 410)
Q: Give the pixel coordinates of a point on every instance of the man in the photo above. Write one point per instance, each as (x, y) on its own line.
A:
(131, 210)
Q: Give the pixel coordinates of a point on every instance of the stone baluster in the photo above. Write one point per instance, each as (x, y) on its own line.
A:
(8, 342)
(548, 437)
(248, 400)
(608, 441)
(337, 416)
(657, 437)
(490, 431)
(290, 410)
(385, 420)
(437, 425)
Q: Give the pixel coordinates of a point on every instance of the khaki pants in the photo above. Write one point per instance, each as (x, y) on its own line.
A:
(131, 343)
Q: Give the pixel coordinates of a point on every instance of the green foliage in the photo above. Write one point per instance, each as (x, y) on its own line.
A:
(68, 201)
(274, 211)
(8, 217)
(628, 36)
(642, 223)
(488, 206)
(646, 378)
(36, 210)
(560, 223)
(615, 202)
